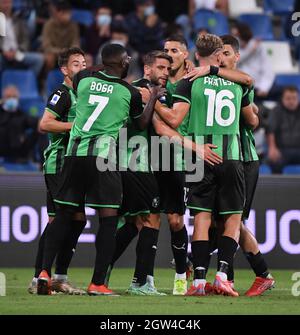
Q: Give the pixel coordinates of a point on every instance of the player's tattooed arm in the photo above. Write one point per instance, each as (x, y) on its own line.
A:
(204, 151)
(236, 76)
(49, 124)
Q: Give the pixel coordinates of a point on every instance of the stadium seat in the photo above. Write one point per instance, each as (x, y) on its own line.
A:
(279, 54)
(33, 107)
(260, 24)
(265, 169)
(25, 80)
(215, 22)
(238, 7)
(16, 167)
(84, 17)
(54, 79)
(282, 80)
(278, 7)
(291, 169)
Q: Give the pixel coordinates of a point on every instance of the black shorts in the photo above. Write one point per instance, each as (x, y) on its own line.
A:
(83, 183)
(251, 171)
(171, 186)
(222, 187)
(140, 193)
(53, 182)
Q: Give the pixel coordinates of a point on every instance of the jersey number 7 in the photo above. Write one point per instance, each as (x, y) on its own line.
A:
(102, 102)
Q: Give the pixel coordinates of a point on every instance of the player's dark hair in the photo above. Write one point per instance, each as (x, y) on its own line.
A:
(64, 56)
(207, 44)
(177, 38)
(289, 88)
(245, 32)
(150, 58)
(232, 41)
(112, 54)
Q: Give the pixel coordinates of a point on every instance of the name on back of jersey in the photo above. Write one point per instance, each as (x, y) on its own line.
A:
(100, 87)
(217, 81)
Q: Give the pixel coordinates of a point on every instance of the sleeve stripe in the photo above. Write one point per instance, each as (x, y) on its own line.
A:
(52, 112)
(137, 116)
(181, 97)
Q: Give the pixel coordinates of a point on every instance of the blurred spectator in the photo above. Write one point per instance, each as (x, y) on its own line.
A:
(59, 32)
(254, 61)
(99, 32)
(122, 7)
(15, 45)
(42, 10)
(169, 13)
(221, 5)
(284, 131)
(18, 131)
(119, 35)
(144, 26)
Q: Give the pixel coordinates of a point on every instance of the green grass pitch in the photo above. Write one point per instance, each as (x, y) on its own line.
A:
(17, 301)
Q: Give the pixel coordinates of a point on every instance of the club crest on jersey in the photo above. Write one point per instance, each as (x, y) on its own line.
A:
(155, 202)
(54, 99)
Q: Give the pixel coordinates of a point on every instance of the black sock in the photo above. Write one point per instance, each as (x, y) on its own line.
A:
(40, 253)
(56, 234)
(66, 253)
(105, 247)
(152, 253)
(123, 238)
(145, 254)
(200, 251)
(258, 264)
(179, 242)
(227, 249)
(230, 274)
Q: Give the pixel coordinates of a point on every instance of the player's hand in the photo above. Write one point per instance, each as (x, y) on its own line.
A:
(145, 93)
(197, 72)
(189, 65)
(207, 154)
(9, 55)
(157, 92)
(274, 154)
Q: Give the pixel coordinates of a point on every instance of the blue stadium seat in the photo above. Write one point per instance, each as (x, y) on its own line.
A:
(291, 169)
(265, 169)
(278, 7)
(84, 17)
(33, 107)
(17, 167)
(25, 80)
(215, 22)
(54, 79)
(282, 80)
(260, 25)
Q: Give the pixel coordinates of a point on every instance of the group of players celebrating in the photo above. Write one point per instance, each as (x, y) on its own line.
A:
(174, 99)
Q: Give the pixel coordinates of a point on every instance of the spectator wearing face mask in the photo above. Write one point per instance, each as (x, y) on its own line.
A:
(100, 31)
(144, 27)
(119, 35)
(18, 131)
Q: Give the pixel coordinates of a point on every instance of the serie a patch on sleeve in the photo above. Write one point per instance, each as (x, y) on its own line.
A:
(54, 99)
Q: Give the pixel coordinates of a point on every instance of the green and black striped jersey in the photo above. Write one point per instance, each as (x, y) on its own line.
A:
(104, 105)
(215, 105)
(247, 137)
(143, 147)
(62, 104)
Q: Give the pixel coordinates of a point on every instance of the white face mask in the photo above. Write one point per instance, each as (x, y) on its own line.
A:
(103, 20)
(118, 42)
(11, 105)
(149, 10)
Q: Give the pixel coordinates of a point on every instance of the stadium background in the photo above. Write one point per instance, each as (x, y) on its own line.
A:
(276, 213)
